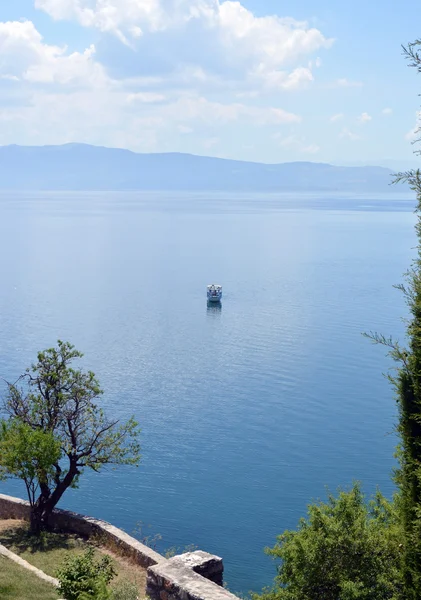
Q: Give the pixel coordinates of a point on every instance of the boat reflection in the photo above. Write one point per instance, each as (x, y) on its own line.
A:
(214, 308)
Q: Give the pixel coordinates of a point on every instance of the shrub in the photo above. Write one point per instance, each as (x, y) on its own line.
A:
(346, 549)
(82, 577)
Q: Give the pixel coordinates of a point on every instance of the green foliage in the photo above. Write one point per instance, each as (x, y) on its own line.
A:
(81, 577)
(99, 591)
(175, 550)
(27, 454)
(60, 405)
(125, 590)
(152, 541)
(407, 384)
(346, 549)
(148, 540)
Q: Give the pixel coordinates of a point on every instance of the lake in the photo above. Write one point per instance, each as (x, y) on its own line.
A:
(249, 410)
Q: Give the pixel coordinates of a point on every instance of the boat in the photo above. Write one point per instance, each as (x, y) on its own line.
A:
(214, 293)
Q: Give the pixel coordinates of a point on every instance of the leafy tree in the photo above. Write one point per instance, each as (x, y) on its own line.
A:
(56, 429)
(27, 454)
(346, 549)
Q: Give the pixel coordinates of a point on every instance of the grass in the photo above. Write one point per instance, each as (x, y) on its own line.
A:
(16, 583)
(45, 553)
(49, 550)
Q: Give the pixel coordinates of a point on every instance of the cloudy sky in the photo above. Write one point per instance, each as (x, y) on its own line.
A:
(265, 80)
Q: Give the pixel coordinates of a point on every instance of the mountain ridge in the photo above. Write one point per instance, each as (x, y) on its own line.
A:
(75, 166)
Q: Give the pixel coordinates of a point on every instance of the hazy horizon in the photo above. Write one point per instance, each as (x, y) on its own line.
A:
(87, 167)
(387, 163)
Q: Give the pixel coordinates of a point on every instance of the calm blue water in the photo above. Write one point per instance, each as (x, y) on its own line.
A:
(248, 412)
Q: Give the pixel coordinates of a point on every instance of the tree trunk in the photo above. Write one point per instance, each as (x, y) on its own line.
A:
(42, 509)
(39, 518)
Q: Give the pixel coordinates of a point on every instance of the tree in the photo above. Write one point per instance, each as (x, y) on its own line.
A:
(407, 384)
(27, 454)
(346, 549)
(56, 429)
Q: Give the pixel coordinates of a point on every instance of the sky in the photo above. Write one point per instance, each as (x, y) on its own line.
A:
(261, 80)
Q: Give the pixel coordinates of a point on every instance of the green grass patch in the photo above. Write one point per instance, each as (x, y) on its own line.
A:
(47, 553)
(16, 583)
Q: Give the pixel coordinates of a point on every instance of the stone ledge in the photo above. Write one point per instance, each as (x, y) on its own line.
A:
(207, 565)
(173, 580)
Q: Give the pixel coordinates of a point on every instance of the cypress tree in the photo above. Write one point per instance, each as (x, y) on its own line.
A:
(407, 383)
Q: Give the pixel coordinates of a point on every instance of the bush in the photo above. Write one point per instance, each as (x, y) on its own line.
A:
(82, 577)
(346, 549)
(100, 591)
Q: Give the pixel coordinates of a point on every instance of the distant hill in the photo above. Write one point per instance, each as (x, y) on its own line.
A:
(84, 167)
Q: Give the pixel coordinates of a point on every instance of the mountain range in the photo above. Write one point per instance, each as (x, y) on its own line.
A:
(85, 167)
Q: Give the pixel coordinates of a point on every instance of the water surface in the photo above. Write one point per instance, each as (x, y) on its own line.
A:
(248, 411)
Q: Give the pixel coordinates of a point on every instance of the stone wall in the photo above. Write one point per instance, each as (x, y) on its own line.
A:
(13, 508)
(190, 576)
(111, 537)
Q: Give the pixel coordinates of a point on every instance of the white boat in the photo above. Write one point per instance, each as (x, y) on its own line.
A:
(214, 293)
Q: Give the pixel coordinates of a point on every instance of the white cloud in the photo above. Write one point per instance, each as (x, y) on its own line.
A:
(387, 111)
(248, 94)
(415, 133)
(289, 140)
(271, 40)
(145, 98)
(118, 16)
(337, 117)
(51, 95)
(104, 117)
(317, 63)
(297, 79)
(347, 83)
(184, 129)
(24, 56)
(297, 142)
(188, 108)
(210, 143)
(226, 37)
(364, 118)
(135, 31)
(311, 149)
(7, 77)
(205, 44)
(349, 135)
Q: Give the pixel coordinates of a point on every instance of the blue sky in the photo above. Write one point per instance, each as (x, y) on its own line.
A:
(260, 80)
